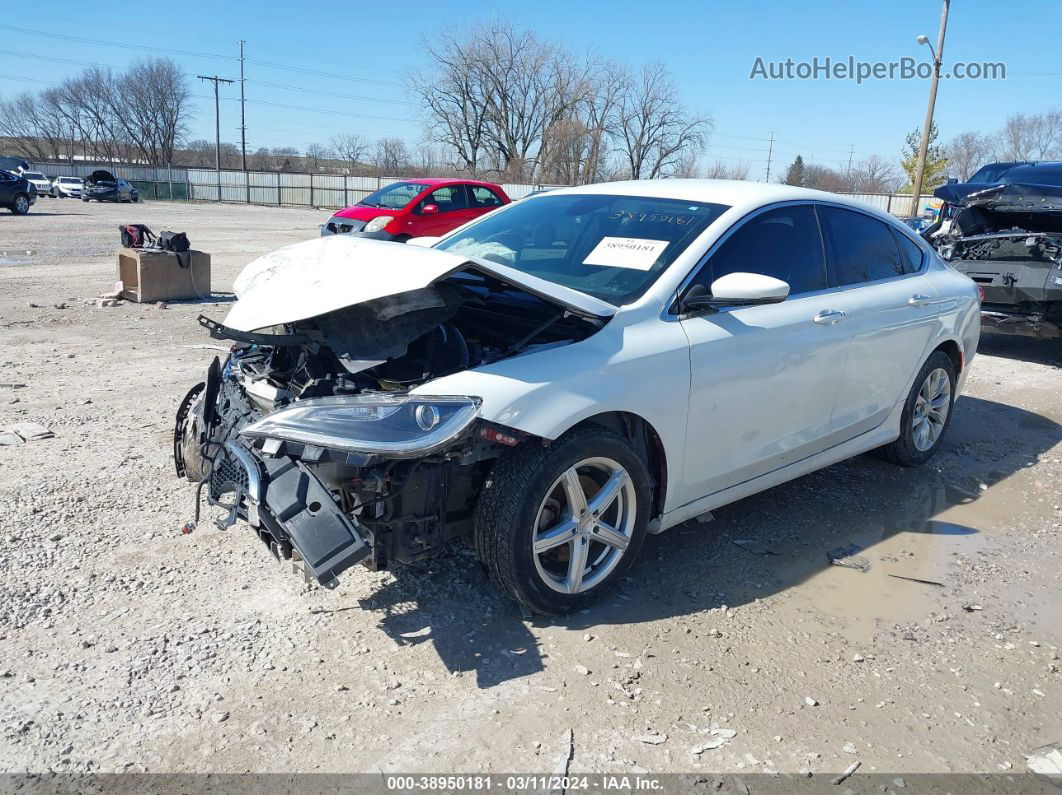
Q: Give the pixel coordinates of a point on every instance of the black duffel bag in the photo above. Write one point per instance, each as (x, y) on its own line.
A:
(174, 241)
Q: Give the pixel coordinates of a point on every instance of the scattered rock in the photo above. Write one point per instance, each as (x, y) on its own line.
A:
(810, 701)
(582, 670)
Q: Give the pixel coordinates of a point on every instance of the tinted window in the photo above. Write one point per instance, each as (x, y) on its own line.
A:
(610, 247)
(394, 196)
(909, 252)
(783, 243)
(484, 197)
(863, 248)
(452, 197)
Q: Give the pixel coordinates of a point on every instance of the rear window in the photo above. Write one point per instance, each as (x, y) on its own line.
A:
(910, 253)
(863, 248)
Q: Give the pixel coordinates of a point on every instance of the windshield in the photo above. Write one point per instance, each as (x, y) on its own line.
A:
(394, 196)
(33, 175)
(610, 247)
(992, 173)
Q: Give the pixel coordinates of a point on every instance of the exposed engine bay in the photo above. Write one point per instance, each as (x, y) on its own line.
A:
(1008, 239)
(267, 435)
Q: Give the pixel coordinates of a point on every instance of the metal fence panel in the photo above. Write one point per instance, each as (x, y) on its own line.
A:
(329, 191)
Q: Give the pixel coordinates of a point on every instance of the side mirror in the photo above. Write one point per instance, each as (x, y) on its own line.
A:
(429, 209)
(736, 289)
(951, 180)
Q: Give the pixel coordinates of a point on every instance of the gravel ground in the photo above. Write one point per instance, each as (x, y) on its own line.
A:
(129, 647)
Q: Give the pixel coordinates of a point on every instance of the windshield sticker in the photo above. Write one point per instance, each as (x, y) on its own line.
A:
(626, 252)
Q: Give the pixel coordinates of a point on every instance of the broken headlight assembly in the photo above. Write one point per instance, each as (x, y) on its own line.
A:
(391, 425)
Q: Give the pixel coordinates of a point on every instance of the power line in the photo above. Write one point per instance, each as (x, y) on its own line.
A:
(124, 45)
(322, 74)
(29, 80)
(56, 59)
(193, 54)
(330, 93)
(329, 112)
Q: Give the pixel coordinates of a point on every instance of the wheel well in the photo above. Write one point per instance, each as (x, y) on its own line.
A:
(954, 353)
(647, 444)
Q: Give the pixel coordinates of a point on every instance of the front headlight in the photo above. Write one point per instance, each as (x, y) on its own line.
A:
(378, 223)
(394, 425)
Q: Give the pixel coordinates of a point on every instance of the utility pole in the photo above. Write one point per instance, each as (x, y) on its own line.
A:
(923, 149)
(217, 125)
(243, 119)
(851, 151)
(770, 151)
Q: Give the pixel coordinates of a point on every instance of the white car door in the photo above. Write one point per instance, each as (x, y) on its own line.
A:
(892, 315)
(763, 378)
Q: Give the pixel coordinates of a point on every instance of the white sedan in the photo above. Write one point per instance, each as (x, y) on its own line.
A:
(563, 376)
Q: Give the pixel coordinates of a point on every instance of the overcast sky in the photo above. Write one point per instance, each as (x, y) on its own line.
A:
(710, 46)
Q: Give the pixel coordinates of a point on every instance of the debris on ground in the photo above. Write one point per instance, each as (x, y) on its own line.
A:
(24, 432)
(917, 579)
(972, 608)
(848, 771)
(653, 739)
(754, 547)
(848, 556)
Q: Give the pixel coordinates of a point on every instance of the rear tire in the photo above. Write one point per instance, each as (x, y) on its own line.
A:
(926, 414)
(550, 534)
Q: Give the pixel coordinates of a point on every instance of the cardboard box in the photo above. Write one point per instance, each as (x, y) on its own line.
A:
(148, 275)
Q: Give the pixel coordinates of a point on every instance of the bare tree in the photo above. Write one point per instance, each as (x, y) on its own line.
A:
(315, 154)
(874, 174)
(150, 104)
(391, 156)
(968, 151)
(655, 129)
(824, 178)
(721, 170)
(1031, 137)
(284, 158)
(500, 97)
(351, 147)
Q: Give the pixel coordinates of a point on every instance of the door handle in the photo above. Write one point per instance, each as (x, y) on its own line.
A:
(827, 317)
(918, 300)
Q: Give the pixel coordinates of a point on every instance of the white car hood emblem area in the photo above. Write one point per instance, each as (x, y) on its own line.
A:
(322, 275)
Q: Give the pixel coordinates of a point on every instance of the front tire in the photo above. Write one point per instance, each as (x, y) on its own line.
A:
(926, 414)
(21, 204)
(558, 526)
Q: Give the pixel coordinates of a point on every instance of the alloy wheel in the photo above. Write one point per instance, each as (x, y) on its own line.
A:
(931, 409)
(21, 205)
(584, 525)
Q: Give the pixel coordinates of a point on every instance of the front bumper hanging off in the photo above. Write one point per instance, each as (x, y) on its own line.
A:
(289, 508)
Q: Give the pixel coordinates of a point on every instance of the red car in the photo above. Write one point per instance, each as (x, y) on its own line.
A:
(417, 208)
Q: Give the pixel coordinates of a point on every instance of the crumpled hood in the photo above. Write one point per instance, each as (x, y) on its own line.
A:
(308, 279)
(322, 275)
(1010, 196)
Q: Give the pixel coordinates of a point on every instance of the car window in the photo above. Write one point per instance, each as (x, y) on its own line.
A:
(484, 197)
(609, 246)
(909, 252)
(394, 196)
(784, 243)
(448, 199)
(862, 248)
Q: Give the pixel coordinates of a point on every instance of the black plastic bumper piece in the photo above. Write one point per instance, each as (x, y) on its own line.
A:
(326, 538)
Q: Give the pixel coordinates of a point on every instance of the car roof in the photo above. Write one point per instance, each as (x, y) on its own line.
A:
(438, 181)
(739, 194)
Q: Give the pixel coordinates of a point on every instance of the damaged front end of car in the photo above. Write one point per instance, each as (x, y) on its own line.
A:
(1008, 239)
(309, 430)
